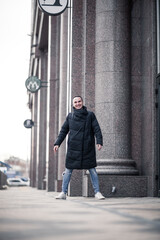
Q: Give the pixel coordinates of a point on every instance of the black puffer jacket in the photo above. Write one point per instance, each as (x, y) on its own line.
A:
(83, 127)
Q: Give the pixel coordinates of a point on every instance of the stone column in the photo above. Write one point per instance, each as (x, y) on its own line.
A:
(53, 103)
(89, 53)
(62, 92)
(33, 164)
(77, 48)
(113, 86)
(89, 7)
(77, 77)
(42, 122)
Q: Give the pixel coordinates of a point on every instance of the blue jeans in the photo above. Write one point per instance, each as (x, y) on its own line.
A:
(67, 176)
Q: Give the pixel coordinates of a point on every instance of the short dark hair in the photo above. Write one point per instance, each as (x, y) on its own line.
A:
(79, 97)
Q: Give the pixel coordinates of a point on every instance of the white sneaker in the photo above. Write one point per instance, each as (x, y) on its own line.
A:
(62, 195)
(99, 196)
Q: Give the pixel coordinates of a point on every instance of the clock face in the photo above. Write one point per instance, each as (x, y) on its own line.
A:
(53, 7)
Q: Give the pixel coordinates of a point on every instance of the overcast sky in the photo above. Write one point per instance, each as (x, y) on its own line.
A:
(15, 21)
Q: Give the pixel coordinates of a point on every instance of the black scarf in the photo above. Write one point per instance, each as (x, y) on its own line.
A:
(80, 114)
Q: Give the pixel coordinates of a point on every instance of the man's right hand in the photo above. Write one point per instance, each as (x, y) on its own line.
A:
(55, 148)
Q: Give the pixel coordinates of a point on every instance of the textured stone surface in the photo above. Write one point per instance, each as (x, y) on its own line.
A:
(122, 123)
(53, 96)
(103, 6)
(123, 146)
(33, 163)
(136, 79)
(108, 150)
(143, 80)
(116, 167)
(3, 180)
(113, 85)
(126, 186)
(75, 186)
(77, 77)
(105, 111)
(62, 91)
(42, 125)
(89, 54)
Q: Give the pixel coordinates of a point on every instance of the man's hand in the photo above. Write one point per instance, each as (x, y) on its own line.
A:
(55, 149)
(99, 146)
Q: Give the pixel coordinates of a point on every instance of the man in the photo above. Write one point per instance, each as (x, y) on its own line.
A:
(83, 128)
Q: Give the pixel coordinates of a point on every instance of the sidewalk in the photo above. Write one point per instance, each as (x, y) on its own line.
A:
(31, 214)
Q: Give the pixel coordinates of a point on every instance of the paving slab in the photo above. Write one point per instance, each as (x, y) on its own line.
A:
(30, 214)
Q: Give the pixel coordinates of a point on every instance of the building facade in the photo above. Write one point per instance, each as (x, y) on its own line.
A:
(108, 52)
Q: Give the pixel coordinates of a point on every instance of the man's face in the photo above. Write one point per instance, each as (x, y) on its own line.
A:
(77, 103)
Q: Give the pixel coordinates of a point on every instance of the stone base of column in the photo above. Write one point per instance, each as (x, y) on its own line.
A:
(3, 180)
(75, 186)
(58, 185)
(116, 167)
(125, 186)
(42, 185)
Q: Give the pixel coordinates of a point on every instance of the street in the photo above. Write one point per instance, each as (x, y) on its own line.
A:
(30, 214)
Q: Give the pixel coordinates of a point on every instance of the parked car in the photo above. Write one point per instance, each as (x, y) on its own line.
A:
(18, 182)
